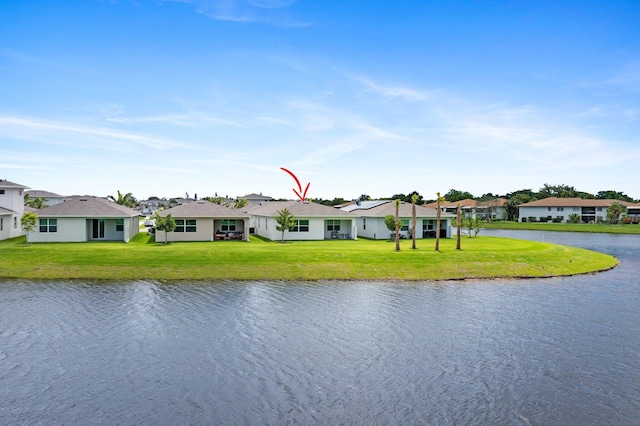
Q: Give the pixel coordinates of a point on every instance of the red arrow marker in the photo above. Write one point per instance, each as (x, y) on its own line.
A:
(299, 191)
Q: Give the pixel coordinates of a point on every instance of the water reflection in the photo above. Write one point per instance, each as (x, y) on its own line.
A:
(550, 351)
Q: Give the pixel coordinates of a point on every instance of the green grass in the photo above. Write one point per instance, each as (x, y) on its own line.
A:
(566, 227)
(142, 258)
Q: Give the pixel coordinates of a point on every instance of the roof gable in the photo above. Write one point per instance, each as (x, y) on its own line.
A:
(87, 206)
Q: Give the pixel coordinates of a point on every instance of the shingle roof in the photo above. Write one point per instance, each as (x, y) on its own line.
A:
(255, 197)
(388, 207)
(87, 206)
(7, 184)
(4, 211)
(297, 208)
(203, 209)
(572, 202)
(33, 193)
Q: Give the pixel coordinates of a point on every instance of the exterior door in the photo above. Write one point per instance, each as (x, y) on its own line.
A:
(98, 229)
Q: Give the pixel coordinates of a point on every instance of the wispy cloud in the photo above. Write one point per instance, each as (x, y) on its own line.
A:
(273, 12)
(70, 133)
(628, 77)
(389, 93)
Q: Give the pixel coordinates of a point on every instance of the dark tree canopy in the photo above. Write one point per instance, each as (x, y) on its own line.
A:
(613, 195)
(454, 195)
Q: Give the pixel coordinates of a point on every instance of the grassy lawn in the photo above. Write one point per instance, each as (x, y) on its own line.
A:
(142, 258)
(567, 227)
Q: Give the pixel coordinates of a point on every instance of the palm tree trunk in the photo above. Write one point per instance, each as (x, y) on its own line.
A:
(459, 227)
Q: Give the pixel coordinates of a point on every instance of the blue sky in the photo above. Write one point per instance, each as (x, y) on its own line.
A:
(160, 97)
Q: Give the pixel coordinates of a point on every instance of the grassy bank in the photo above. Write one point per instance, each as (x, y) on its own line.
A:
(482, 257)
(566, 227)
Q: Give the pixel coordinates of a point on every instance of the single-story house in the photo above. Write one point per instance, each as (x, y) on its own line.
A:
(11, 209)
(313, 221)
(559, 209)
(486, 209)
(371, 214)
(205, 221)
(85, 218)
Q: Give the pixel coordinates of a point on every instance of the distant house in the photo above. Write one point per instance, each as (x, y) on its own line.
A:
(256, 198)
(559, 209)
(371, 214)
(11, 209)
(50, 198)
(633, 213)
(486, 209)
(313, 221)
(205, 221)
(85, 218)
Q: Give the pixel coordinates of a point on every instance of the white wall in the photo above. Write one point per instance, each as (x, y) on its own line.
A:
(69, 230)
(266, 228)
(204, 232)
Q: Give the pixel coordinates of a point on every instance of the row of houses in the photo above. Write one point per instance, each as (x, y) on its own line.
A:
(89, 218)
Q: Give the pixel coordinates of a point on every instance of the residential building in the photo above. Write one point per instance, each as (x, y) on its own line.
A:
(313, 221)
(486, 209)
(50, 198)
(85, 218)
(11, 209)
(560, 209)
(371, 214)
(205, 221)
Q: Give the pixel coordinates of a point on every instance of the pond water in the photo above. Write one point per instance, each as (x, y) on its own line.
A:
(547, 351)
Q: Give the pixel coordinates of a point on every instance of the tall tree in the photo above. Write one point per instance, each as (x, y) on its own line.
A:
(614, 212)
(613, 195)
(439, 200)
(284, 221)
(364, 197)
(454, 195)
(398, 226)
(127, 200)
(28, 222)
(414, 200)
(458, 224)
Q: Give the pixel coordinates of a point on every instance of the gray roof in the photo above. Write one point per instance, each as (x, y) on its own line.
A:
(87, 206)
(4, 211)
(203, 209)
(363, 205)
(45, 194)
(255, 197)
(388, 207)
(298, 209)
(7, 184)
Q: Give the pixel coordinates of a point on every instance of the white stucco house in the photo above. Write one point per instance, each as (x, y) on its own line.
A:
(371, 214)
(11, 209)
(559, 209)
(205, 221)
(85, 218)
(313, 221)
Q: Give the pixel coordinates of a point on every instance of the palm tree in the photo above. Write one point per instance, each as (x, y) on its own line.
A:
(439, 200)
(414, 200)
(459, 223)
(397, 225)
(127, 199)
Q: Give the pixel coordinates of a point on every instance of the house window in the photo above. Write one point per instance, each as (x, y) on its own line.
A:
(120, 225)
(405, 225)
(48, 225)
(185, 225)
(599, 209)
(228, 225)
(15, 222)
(548, 208)
(560, 209)
(1, 223)
(1, 191)
(302, 225)
(333, 225)
(364, 223)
